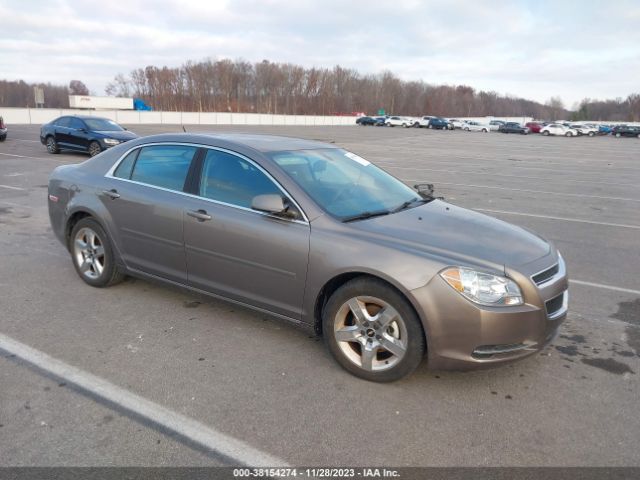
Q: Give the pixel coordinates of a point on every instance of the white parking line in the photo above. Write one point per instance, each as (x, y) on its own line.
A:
(186, 427)
(11, 188)
(532, 191)
(565, 219)
(4, 202)
(24, 140)
(606, 287)
(35, 158)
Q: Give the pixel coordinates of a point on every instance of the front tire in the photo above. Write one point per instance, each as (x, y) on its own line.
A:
(52, 145)
(92, 254)
(568, 134)
(591, 134)
(372, 331)
(545, 133)
(94, 148)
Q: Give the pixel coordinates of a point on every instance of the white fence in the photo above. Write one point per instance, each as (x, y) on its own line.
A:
(37, 116)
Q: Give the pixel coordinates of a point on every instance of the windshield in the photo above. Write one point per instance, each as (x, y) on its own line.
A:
(345, 185)
(103, 125)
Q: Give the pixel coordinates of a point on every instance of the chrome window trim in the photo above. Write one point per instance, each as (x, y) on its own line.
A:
(113, 168)
(562, 272)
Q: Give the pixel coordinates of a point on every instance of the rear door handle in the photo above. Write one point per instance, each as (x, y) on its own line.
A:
(200, 215)
(113, 193)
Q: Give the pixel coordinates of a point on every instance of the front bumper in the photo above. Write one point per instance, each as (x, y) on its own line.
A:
(462, 335)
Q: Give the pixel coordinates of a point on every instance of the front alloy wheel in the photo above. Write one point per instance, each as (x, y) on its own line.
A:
(94, 148)
(372, 331)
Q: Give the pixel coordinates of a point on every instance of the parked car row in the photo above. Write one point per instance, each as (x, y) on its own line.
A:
(559, 128)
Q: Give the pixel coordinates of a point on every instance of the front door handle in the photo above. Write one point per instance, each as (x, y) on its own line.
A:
(200, 215)
(113, 193)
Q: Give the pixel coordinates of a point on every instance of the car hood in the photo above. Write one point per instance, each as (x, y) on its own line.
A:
(123, 135)
(446, 230)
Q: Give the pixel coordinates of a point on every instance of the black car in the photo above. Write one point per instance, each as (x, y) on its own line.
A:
(626, 131)
(376, 121)
(3, 130)
(438, 124)
(513, 127)
(84, 134)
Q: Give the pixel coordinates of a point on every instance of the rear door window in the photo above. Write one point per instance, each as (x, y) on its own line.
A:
(163, 166)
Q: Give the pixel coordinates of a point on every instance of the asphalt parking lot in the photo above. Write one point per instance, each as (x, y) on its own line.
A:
(275, 387)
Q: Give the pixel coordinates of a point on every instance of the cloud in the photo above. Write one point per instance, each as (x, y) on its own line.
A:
(535, 50)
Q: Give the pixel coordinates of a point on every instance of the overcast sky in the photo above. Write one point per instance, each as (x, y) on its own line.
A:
(533, 49)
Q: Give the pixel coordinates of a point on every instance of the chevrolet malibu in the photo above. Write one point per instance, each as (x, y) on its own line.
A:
(320, 237)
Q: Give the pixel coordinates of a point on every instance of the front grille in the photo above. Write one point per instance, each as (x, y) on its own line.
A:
(540, 278)
(554, 305)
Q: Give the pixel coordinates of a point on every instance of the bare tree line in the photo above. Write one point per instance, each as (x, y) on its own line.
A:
(284, 88)
(20, 94)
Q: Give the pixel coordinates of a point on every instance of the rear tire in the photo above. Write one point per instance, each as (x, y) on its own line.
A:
(568, 134)
(52, 145)
(94, 148)
(92, 254)
(372, 331)
(545, 133)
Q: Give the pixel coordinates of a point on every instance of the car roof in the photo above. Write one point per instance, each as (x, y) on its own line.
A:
(86, 117)
(258, 142)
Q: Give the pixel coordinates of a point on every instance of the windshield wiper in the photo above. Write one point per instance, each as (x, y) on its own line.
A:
(408, 203)
(365, 215)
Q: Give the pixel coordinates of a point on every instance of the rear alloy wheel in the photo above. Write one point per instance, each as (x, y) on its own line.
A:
(52, 145)
(568, 134)
(93, 255)
(372, 331)
(94, 148)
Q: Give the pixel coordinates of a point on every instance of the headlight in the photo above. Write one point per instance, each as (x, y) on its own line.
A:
(111, 141)
(483, 288)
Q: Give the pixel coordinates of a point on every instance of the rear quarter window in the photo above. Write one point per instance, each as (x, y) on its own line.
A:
(126, 165)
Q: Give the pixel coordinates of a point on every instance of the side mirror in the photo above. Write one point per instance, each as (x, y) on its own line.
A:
(271, 203)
